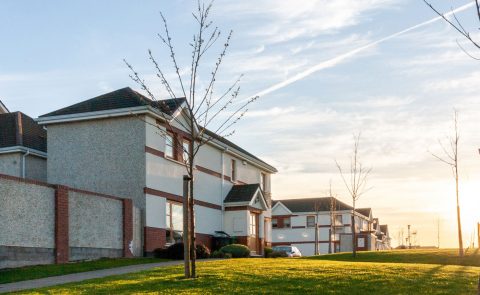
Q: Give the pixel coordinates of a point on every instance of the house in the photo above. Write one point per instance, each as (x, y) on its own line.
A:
(294, 222)
(111, 144)
(23, 146)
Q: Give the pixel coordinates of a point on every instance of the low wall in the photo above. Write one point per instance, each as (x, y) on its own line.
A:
(43, 223)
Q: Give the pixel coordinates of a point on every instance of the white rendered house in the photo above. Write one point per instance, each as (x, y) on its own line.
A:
(111, 144)
(294, 222)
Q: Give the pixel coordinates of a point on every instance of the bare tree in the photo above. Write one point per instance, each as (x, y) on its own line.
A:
(333, 208)
(450, 157)
(457, 25)
(355, 182)
(204, 107)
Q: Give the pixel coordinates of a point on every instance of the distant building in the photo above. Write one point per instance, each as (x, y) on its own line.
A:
(293, 223)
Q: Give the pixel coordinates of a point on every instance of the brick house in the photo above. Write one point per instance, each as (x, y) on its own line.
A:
(110, 144)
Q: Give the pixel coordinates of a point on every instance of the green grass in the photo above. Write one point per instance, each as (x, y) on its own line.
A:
(434, 256)
(287, 276)
(41, 271)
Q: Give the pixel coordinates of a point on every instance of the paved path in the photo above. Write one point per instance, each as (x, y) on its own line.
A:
(77, 277)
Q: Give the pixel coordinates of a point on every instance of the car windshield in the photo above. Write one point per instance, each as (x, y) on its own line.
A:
(282, 249)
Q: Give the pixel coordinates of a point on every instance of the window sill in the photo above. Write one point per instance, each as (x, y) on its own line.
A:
(174, 161)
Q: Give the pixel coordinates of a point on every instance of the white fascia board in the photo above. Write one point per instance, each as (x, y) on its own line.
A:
(264, 203)
(3, 108)
(92, 115)
(279, 203)
(236, 204)
(22, 149)
(136, 111)
(240, 155)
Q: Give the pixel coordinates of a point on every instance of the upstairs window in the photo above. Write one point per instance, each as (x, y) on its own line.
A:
(286, 222)
(186, 150)
(338, 220)
(274, 223)
(263, 181)
(169, 145)
(233, 172)
(310, 221)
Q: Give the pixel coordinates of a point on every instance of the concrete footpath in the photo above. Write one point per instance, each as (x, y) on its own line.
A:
(81, 276)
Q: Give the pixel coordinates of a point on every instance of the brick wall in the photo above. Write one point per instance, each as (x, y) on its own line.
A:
(154, 238)
(26, 220)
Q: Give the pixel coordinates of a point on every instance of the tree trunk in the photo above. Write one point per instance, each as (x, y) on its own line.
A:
(330, 241)
(460, 238)
(191, 207)
(316, 235)
(478, 234)
(186, 252)
(354, 234)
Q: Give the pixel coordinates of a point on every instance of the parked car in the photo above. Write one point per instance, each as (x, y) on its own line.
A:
(291, 251)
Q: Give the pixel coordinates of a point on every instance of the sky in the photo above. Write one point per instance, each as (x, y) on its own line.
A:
(322, 77)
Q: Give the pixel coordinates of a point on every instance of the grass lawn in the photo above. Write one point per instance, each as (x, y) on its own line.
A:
(287, 276)
(41, 271)
(434, 256)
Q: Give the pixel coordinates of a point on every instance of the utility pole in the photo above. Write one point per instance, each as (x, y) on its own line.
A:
(478, 234)
(438, 232)
(409, 238)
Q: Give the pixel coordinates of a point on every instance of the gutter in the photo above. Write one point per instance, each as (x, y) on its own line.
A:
(137, 111)
(22, 149)
(221, 187)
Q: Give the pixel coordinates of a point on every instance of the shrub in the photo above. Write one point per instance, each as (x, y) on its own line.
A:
(218, 254)
(267, 251)
(202, 251)
(175, 251)
(228, 255)
(160, 253)
(277, 254)
(236, 250)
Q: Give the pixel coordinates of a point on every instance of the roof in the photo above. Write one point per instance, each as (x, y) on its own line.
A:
(242, 193)
(309, 204)
(18, 129)
(128, 98)
(3, 108)
(364, 211)
(231, 144)
(384, 228)
(118, 99)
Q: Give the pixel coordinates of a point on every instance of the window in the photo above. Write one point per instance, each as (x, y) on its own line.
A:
(310, 221)
(286, 222)
(253, 224)
(338, 220)
(169, 145)
(263, 181)
(274, 223)
(174, 222)
(233, 173)
(186, 150)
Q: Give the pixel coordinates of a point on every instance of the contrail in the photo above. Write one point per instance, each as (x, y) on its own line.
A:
(334, 61)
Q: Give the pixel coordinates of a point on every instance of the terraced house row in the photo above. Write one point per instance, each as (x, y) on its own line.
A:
(98, 179)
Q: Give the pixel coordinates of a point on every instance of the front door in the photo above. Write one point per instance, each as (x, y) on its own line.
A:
(254, 233)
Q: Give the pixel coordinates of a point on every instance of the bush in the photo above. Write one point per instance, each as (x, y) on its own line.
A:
(202, 251)
(218, 254)
(160, 253)
(175, 251)
(236, 250)
(228, 255)
(277, 254)
(267, 251)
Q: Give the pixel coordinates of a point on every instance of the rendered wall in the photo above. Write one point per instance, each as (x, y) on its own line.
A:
(27, 228)
(95, 226)
(11, 164)
(36, 168)
(105, 156)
